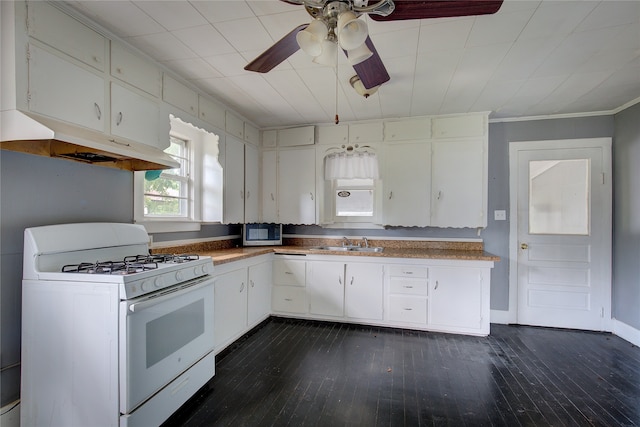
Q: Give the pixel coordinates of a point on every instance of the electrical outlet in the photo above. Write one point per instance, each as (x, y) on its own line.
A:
(500, 215)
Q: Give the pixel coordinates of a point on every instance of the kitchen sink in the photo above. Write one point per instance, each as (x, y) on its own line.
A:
(349, 248)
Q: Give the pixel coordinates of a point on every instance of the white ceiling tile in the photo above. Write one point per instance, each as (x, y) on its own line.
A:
(205, 40)
(229, 65)
(436, 35)
(122, 18)
(262, 7)
(397, 43)
(530, 94)
(192, 68)
(611, 14)
(245, 34)
(525, 56)
(291, 87)
(556, 17)
(495, 29)
(282, 24)
(496, 93)
(172, 15)
(162, 46)
(223, 10)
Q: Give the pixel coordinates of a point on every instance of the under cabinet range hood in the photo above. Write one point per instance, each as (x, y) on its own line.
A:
(23, 133)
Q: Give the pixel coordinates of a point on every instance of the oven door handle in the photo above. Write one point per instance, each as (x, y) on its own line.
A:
(137, 307)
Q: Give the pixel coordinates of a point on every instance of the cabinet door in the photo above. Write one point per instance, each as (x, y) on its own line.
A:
(325, 288)
(135, 117)
(259, 297)
(456, 299)
(251, 183)
(211, 112)
(364, 291)
(233, 181)
(230, 306)
(458, 195)
(65, 91)
(407, 184)
(297, 186)
(131, 68)
(179, 95)
(296, 136)
(269, 186)
(365, 132)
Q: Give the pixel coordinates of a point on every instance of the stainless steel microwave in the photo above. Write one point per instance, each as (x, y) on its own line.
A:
(262, 234)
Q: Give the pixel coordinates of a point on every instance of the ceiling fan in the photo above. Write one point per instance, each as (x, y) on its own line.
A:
(335, 25)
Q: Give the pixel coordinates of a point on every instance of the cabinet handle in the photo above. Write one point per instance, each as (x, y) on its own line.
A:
(408, 272)
(311, 196)
(390, 194)
(340, 279)
(95, 59)
(288, 272)
(288, 299)
(439, 195)
(242, 194)
(436, 287)
(408, 287)
(351, 280)
(248, 194)
(119, 70)
(253, 285)
(242, 287)
(272, 198)
(98, 111)
(119, 119)
(407, 309)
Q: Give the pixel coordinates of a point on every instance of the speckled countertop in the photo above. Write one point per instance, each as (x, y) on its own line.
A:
(226, 251)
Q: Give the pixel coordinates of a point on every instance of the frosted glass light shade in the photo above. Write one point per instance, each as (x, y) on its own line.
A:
(359, 54)
(352, 32)
(329, 53)
(310, 39)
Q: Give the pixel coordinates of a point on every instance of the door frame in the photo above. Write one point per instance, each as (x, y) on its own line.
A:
(514, 148)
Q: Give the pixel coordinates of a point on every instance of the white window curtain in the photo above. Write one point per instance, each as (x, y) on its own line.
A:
(351, 165)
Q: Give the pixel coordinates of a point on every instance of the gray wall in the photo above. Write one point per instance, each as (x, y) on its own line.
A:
(626, 217)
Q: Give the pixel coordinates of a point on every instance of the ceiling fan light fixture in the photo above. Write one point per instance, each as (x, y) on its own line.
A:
(352, 32)
(358, 86)
(310, 39)
(329, 54)
(359, 54)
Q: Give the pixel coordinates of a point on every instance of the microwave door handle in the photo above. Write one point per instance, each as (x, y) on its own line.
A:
(143, 305)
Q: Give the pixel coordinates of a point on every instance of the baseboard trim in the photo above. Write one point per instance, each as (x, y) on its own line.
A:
(500, 316)
(626, 332)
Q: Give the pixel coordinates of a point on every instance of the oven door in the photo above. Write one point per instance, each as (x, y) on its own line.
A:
(161, 336)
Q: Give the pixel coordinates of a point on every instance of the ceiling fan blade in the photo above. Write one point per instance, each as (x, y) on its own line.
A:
(281, 50)
(372, 71)
(419, 9)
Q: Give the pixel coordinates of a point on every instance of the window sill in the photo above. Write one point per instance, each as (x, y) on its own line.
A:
(154, 227)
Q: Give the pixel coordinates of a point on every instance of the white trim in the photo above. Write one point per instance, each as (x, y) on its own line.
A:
(567, 115)
(359, 236)
(155, 227)
(626, 332)
(500, 316)
(514, 147)
(10, 415)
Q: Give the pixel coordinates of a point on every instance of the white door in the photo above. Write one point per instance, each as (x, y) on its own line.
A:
(251, 183)
(563, 229)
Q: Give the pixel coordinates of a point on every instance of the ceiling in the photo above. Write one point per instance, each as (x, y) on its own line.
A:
(532, 58)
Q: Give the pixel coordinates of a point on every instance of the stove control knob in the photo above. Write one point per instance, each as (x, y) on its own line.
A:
(179, 276)
(146, 285)
(195, 271)
(205, 268)
(158, 282)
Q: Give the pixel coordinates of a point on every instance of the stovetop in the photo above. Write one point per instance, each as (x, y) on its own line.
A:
(130, 264)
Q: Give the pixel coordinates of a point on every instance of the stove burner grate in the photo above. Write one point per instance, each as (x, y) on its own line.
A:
(130, 264)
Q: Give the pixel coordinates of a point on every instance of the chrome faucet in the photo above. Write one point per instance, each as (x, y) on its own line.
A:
(365, 242)
(346, 242)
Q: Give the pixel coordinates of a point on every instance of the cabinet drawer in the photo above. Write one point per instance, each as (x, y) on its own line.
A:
(408, 271)
(288, 299)
(289, 272)
(408, 309)
(401, 285)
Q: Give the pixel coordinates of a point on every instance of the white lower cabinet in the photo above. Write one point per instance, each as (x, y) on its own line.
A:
(288, 295)
(242, 298)
(325, 288)
(407, 294)
(459, 299)
(364, 291)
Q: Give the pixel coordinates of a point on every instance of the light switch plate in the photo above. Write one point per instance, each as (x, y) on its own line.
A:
(500, 215)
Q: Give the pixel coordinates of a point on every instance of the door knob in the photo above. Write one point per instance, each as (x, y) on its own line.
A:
(524, 246)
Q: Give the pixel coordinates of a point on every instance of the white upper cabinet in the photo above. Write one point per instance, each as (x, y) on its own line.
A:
(135, 70)
(64, 91)
(269, 138)
(365, 132)
(269, 183)
(251, 134)
(211, 112)
(334, 134)
(296, 186)
(409, 129)
(296, 136)
(233, 181)
(251, 184)
(179, 95)
(136, 118)
(53, 27)
(458, 179)
(459, 126)
(234, 125)
(406, 181)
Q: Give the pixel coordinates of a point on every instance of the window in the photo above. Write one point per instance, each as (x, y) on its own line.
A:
(181, 199)
(168, 193)
(354, 197)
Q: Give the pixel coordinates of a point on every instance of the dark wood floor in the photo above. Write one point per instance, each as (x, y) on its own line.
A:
(293, 372)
